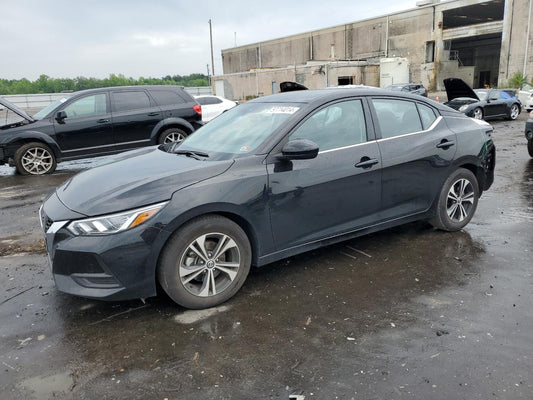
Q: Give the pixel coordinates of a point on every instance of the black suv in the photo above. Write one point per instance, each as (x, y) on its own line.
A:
(97, 122)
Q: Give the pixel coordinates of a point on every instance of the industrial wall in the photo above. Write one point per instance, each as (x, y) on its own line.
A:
(480, 41)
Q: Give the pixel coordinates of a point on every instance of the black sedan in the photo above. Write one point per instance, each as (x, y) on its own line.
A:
(481, 103)
(272, 178)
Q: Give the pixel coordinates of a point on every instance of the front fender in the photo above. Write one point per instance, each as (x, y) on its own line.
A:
(12, 144)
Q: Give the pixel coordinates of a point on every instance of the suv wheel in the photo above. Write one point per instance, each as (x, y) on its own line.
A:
(205, 262)
(172, 135)
(530, 147)
(35, 159)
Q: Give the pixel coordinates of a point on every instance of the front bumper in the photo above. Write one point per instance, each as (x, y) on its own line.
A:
(119, 266)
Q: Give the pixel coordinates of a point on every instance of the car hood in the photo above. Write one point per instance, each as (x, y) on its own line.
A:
(456, 88)
(460, 101)
(136, 179)
(15, 109)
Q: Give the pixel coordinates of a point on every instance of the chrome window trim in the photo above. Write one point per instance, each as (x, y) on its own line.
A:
(345, 147)
(432, 126)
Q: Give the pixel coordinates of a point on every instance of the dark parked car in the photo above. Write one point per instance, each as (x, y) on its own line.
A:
(97, 122)
(481, 103)
(269, 179)
(529, 136)
(413, 88)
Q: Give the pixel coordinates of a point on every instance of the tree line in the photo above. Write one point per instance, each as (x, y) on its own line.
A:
(45, 84)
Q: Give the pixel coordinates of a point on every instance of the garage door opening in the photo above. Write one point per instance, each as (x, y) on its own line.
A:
(481, 52)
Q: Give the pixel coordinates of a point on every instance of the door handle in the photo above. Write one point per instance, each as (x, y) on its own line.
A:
(445, 144)
(153, 114)
(366, 162)
(102, 121)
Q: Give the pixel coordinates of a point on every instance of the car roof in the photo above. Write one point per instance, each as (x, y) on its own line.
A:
(323, 96)
(126, 88)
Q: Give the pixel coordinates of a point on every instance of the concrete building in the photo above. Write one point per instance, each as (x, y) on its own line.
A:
(480, 41)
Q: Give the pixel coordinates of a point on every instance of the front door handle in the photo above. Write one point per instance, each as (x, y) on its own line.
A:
(445, 144)
(366, 162)
(153, 114)
(102, 121)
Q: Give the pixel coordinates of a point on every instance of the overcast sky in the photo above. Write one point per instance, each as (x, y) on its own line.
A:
(66, 39)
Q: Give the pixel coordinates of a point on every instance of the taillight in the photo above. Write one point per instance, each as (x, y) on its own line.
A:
(198, 109)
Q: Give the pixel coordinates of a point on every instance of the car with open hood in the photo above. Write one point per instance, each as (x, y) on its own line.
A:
(271, 178)
(96, 122)
(481, 103)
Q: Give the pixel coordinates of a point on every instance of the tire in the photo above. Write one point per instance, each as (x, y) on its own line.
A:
(457, 201)
(35, 158)
(514, 112)
(477, 113)
(172, 135)
(189, 268)
(530, 147)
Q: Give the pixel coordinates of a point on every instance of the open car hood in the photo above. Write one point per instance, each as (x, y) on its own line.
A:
(15, 109)
(456, 87)
(290, 87)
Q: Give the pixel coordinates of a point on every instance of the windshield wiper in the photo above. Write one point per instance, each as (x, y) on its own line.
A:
(198, 155)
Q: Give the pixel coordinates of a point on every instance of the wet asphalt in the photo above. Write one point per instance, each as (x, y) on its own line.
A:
(407, 313)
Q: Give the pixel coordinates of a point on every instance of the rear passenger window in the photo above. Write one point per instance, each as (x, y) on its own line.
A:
(338, 125)
(397, 117)
(427, 115)
(166, 97)
(130, 100)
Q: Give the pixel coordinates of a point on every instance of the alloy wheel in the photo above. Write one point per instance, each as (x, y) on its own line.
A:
(37, 161)
(210, 264)
(460, 200)
(514, 112)
(174, 137)
(478, 113)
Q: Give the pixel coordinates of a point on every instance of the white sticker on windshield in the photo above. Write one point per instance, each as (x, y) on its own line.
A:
(283, 110)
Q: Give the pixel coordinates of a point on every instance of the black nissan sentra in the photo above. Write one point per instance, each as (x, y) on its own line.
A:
(269, 179)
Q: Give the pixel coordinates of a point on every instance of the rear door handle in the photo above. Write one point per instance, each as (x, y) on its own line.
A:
(366, 162)
(153, 114)
(445, 144)
(102, 121)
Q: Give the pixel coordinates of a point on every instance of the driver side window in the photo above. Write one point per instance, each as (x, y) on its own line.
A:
(338, 125)
(88, 106)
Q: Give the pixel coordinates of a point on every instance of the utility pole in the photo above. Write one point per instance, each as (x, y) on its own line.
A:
(208, 76)
(211, 40)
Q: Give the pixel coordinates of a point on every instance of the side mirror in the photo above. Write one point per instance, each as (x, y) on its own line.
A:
(60, 116)
(300, 149)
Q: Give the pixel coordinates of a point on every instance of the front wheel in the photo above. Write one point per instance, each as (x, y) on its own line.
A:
(35, 159)
(478, 113)
(530, 147)
(172, 135)
(514, 112)
(457, 201)
(205, 262)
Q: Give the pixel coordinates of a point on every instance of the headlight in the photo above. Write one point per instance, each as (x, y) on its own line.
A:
(462, 108)
(114, 223)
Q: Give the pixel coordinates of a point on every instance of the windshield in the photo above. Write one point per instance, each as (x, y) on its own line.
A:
(51, 107)
(240, 130)
(481, 93)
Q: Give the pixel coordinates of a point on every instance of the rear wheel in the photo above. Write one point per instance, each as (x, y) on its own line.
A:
(205, 262)
(457, 201)
(478, 113)
(35, 159)
(530, 147)
(514, 112)
(172, 135)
